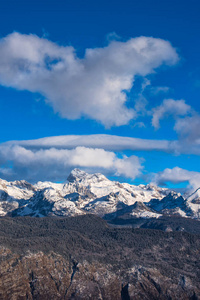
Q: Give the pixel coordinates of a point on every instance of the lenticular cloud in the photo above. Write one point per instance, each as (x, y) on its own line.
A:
(95, 86)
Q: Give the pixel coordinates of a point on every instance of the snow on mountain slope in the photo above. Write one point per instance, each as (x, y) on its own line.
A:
(17, 189)
(92, 193)
(14, 194)
(193, 202)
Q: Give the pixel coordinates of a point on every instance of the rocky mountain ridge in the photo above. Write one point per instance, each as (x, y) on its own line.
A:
(93, 193)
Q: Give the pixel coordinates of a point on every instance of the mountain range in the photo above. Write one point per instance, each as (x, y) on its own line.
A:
(85, 193)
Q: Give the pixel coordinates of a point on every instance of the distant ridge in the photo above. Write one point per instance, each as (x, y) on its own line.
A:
(85, 193)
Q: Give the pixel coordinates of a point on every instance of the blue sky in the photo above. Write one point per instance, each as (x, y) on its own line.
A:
(149, 93)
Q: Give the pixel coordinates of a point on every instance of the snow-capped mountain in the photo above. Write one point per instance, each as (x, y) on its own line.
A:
(93, 193)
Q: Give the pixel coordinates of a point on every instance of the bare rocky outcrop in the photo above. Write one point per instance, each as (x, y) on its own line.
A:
(83, 258)
(42, 276)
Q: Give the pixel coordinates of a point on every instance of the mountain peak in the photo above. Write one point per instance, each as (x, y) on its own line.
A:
(195, 196)
(76, 175)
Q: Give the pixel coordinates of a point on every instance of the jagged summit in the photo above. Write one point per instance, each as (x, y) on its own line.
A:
(76, 174)
(80, 176)
(195, 196)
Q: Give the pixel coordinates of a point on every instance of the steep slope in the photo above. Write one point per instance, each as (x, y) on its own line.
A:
(137, 210)
(14, 194)
(193, 202)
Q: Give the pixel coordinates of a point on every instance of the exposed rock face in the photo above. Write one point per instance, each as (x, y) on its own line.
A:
(40, 276)
(33, 276)
(83, 258)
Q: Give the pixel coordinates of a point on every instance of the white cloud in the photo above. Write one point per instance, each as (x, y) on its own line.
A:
(169, 107)
(129, 167)
(110, 143)
(187, 124)
(155, 90)
(188, 128)
(52, 158)
(93, 86)
(178, 175)
(112, 36)
(55, 164)
(103, 141)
